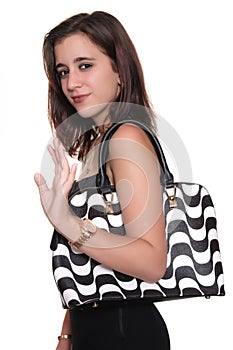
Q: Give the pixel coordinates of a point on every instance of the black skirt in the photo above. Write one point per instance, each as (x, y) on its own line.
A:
(123, 326)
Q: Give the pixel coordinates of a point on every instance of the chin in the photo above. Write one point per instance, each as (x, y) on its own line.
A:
(93, 111)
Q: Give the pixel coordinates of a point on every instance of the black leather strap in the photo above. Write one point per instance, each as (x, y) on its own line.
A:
(103, 182)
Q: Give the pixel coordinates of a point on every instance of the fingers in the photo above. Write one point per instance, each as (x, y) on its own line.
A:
(52, 153)
(64, 174)
(58, 156)
(60, 151)
(56, 151)
(37, 178)
(41, 183)
(72, 173)
(70, 179)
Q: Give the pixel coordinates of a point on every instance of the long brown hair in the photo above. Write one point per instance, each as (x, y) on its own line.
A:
(105, 31)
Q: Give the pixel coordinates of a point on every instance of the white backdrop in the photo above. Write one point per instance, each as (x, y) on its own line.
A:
(186, 52)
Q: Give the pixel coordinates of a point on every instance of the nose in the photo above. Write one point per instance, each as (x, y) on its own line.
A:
(74, 80)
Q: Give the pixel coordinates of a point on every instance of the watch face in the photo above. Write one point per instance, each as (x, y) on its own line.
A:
(88, 224)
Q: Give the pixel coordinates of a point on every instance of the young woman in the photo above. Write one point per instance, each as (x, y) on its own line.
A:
(96, 80)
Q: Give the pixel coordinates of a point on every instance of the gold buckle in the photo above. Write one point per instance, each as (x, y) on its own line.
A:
(108, 204)
(172, 198)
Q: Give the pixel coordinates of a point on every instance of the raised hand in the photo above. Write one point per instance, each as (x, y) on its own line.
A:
(54, 199)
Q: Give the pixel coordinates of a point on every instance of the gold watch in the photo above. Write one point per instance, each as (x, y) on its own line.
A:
(88, 229)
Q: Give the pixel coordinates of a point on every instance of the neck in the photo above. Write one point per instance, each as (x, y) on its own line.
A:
(101, 129)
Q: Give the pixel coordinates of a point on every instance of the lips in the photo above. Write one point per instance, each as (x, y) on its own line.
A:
(80, 98)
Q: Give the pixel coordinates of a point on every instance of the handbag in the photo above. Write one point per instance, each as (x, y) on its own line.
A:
(194, 266)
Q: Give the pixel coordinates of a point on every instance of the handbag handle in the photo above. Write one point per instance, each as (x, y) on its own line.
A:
(103, 183)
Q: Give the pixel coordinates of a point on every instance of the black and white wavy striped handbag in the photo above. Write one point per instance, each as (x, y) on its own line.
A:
(194, 266)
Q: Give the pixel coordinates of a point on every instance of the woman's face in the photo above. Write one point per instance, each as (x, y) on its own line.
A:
(87, 77)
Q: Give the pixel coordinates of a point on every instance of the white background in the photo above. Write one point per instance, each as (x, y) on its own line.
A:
(186, 52)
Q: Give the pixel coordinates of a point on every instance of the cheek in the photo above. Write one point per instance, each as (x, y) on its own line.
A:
(111, 87)
(63, 87)
(65, 91)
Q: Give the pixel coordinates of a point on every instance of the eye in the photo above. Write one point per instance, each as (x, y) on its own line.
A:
(63, 73)
(85, 66)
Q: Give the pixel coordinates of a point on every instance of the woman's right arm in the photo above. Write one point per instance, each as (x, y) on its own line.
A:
(65, 344)
(136, 175)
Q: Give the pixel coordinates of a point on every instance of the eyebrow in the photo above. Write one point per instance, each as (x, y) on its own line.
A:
(77, 59)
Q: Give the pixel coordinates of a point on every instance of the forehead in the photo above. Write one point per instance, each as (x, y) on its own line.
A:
(77, 44)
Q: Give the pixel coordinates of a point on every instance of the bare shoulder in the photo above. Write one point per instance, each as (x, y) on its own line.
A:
(131, 132)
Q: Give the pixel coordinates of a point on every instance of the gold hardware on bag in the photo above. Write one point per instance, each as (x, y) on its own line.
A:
(207, 296)
(95, 305)
(108, 204)
(172, 198)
